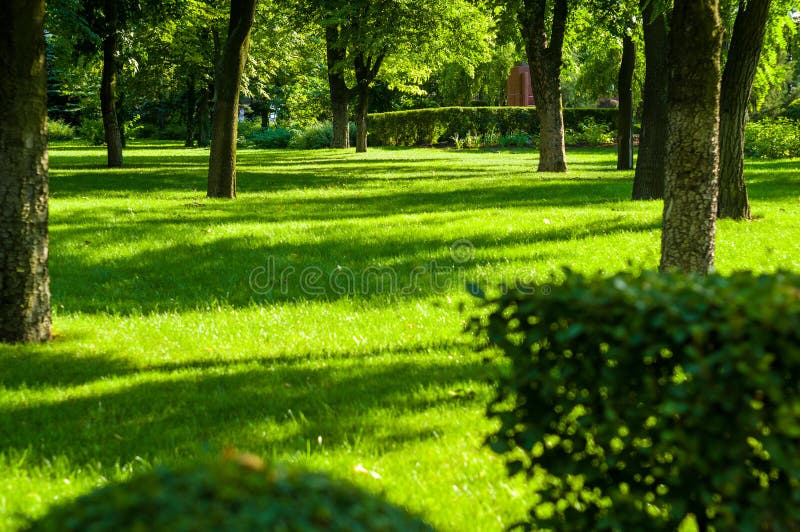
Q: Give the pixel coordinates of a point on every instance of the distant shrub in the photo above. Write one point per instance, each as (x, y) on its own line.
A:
(589, 133)
(59, 130)
(644, 399)
(421, 127)
(773, 138)
(233, 496)
(312, 137)
(518, 139)
(269, 138)
(792, 111)
(91, 130)
(247, 128)
(173, 131)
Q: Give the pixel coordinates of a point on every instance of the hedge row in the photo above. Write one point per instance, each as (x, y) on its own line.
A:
(647, 399)
(423, 127)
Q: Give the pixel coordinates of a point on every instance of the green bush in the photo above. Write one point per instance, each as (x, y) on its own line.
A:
(270, 138)
(773, 138)
(589, 133)
(792, 110)
(91, 130)
(644, 399)
(232, 496)
(313, 137)
(59, 130)
(428, 126)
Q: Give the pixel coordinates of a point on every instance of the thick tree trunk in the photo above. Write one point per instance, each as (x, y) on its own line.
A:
(108, 87)
(648, 181)
(625, 121)
(737, 84)
(191, 111)
(544, 59)
(361, 118)
(340, 94)
(24, 277)
(222, 162)
(692, 169)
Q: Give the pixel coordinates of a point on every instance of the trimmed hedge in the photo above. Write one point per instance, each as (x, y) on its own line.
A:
(235, 495)
(423, 127)
(646, 399)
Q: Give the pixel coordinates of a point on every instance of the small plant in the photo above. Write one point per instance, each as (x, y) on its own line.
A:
(312, 137)
(91, 130)
(458, 142)
(644, 401)
(239, 494)
(518, 139)
(589, 133)
(491, 138)
(472, 140)
(773, 138)
(59, 130)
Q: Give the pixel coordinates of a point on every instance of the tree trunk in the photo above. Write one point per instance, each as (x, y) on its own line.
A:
(191, 111)
(361, 118)
(203, 118)
(340, 94)
(545, 63)
(737, 84)
(692, 168)
(625, 122)
(222, 162)
(108, 87)
(24, 277)
(648, 181)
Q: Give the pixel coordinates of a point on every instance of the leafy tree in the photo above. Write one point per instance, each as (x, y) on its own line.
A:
(648, 181)
(544, 47)
(222, 161)
(692, 168)
(737, 83)
(24, 277)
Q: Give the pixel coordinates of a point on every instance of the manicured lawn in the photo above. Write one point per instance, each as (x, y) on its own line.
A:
(170, 347)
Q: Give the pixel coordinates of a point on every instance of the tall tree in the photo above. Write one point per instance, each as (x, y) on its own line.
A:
(108, 83)
(737, 83)
(228, 78)
(544, 53)
(648, 181)
(336, 56)
(625, 118)
(692, 168)
(24, 277)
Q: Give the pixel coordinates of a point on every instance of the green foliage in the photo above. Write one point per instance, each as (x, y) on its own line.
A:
(792, 110)
(91, 130)
(235, 495)
(270, 138)
(649, 398)
(518, 139)
(313, 137)
(773, 138)
(59, 130)
(421, 127)
(589, 133)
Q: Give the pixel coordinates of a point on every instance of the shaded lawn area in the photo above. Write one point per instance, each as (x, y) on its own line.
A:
(185, 325)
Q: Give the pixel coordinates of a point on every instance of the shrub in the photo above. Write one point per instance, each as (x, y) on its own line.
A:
(173, 131)
(313, 137)
(518, 139)
(773, 138)
(646, 399)
(234, 496)
(91, 130)
(792, 111)
(270, 137)
(428, 126)
(59, 130)
(589, 133)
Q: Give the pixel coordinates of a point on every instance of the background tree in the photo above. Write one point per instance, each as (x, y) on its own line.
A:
(544, 50)
(24, 277)
(222, 161)
(737, 83)
(649, 178)
(692, 168)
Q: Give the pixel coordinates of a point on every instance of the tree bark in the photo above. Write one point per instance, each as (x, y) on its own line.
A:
(222, 161)
(692, 168)
(545, 59)
(191, 111)
(366, 70)
(737, 84)
(108, 86)
(203, 117)
(340, 94)
(648, 181)
(625, 119)
(24, 277)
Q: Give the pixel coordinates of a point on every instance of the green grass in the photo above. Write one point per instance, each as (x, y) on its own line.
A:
(164, 353)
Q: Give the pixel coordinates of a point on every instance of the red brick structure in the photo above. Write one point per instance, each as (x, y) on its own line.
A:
(519, 90)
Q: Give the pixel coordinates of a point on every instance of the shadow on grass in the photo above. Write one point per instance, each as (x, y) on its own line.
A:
(258, 404)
